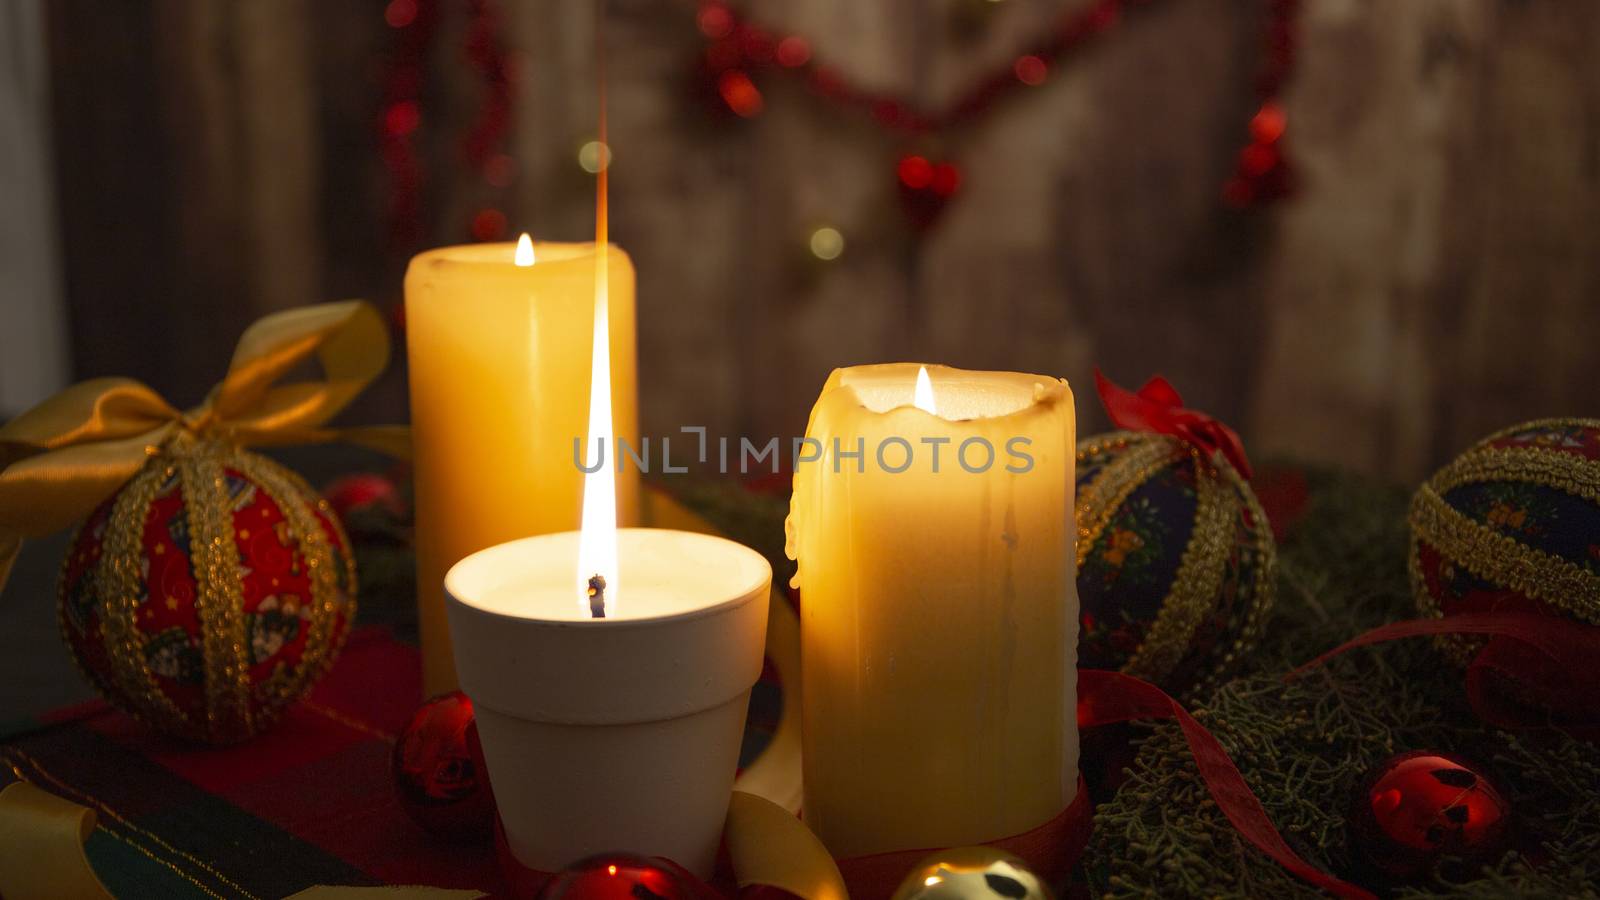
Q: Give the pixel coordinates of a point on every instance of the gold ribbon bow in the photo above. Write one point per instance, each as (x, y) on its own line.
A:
(64, 457)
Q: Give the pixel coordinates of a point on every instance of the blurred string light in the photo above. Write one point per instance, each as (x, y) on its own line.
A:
(739, 53)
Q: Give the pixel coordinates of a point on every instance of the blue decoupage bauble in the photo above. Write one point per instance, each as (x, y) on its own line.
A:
(1176, 560)
(1512, 525)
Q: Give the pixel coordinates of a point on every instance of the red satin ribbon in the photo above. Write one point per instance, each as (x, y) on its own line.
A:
(1158, 408)
(1107, 697)
(1545, 657)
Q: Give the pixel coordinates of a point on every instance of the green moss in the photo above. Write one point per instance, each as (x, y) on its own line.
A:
(1304, 745)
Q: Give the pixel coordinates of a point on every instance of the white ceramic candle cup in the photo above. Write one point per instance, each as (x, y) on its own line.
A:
(618, 734)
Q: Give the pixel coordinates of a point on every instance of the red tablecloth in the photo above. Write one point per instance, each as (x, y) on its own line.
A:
(309, 802)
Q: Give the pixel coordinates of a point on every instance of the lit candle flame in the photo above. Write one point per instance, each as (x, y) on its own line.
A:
(597, 542)
(524, 250)
(923, 399)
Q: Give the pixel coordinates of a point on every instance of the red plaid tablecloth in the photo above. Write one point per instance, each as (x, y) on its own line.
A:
(309, 802)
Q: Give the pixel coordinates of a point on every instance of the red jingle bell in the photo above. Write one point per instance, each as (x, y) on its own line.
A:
(1421, 807)
(619, 877)
(438, 771)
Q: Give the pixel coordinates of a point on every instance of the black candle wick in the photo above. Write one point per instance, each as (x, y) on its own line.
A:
(597, 596)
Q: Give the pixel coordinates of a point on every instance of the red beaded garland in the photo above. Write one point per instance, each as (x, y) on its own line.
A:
(416, 25)
(739, 51)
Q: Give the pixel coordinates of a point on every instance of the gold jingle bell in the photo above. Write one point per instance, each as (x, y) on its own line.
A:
(972, 873)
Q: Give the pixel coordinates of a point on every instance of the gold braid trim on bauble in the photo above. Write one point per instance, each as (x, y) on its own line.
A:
(1565, 472)
(1196, 583)
(219, 600)
(1221, 494)
(1259, 595)
(1099, 500)
(291, 493)
(117, 580)
(1504, 560)
(1498, 558)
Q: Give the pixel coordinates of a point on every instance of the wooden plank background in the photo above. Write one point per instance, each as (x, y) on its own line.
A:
(33, 339)
(1435, 278)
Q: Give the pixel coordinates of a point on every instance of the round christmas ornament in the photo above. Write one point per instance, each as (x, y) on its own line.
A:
(1418, 808)
(362, 490)
(209, 592)
(1512, 525)
(438, 770)
(972, 873)
(620, 877)
(1176, 559)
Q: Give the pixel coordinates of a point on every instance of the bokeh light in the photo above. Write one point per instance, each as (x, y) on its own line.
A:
(594, 156)
(827, 243)
(1030, 70)
(740, 93)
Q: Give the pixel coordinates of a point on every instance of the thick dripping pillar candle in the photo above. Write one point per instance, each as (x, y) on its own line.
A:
(934, 534)
(500, 352)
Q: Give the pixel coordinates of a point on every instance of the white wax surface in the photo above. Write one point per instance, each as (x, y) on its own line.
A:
(958, 395)
(663, 574)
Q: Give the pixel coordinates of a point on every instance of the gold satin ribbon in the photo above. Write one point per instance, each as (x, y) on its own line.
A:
(64, 457)
(769, 846)
(41, 847)
(775, 774)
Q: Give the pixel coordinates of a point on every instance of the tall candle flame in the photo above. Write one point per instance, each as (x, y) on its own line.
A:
(524, 256)
(923, 399)
(597, 543)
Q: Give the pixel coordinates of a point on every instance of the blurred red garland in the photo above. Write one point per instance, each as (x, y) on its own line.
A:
(416, 24)
(738, 51)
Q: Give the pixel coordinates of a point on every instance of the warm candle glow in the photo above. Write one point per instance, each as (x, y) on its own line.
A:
(597, 546)
(524, 255)
(924, 396)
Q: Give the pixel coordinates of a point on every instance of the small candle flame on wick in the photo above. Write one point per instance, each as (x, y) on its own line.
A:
(923, 398)
(524, 256)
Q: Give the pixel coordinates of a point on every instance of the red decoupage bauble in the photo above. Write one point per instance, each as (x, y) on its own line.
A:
(209, 593)
(438, 770)
(620, 877)
(1420, 807)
